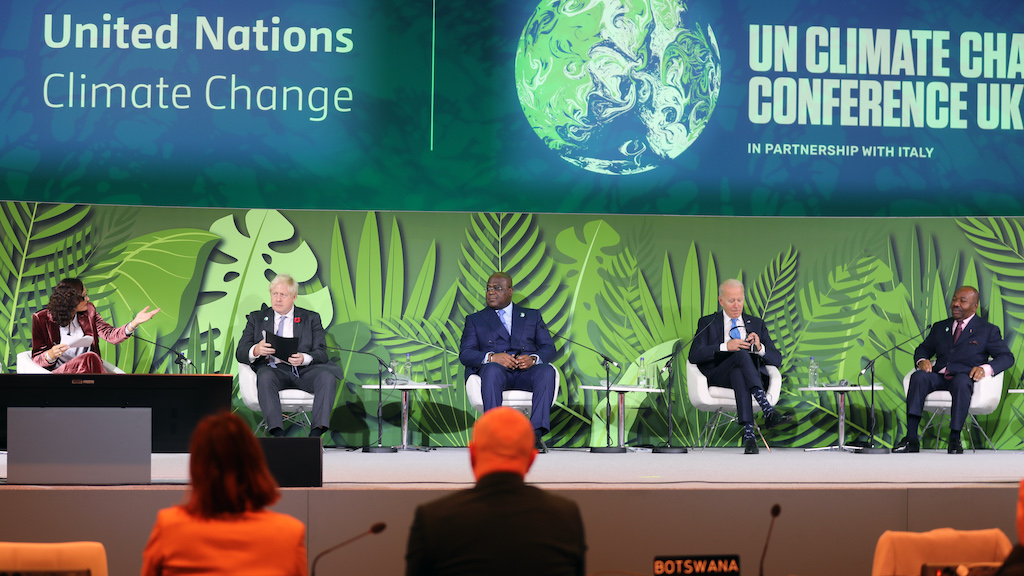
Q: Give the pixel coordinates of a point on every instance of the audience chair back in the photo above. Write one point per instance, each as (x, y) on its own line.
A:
(53, 557)
(904, 553)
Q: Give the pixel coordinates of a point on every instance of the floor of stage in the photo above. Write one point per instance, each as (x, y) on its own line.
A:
(448, 468)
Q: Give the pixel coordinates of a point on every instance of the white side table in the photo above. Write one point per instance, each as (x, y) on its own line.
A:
(840, 392)
(622, 391)
(405, 386)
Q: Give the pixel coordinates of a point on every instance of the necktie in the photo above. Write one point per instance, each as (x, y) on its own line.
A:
(505, 322)
(734, 332)
(278, 332)
(958, 330)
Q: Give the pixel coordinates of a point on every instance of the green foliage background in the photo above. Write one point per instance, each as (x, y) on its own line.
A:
(396, 284)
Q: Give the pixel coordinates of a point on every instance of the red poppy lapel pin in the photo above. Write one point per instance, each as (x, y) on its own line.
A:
(297, 319)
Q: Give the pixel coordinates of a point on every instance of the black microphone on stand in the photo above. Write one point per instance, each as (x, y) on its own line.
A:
(180, 358)
(668, 448)
(379, 448)
(871, 363)
(375, 529)
(380, 360)
(871, 448)
(775, 514)
(606, 361)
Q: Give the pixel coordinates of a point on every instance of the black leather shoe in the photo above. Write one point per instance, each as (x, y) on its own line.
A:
(317, 432)
(955, 447)
(907, 445)
(541, 447)
(750, 446)
(777, 418)
(277, 432)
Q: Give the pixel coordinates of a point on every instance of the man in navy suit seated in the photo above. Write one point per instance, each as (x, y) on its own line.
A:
(510, 347)
(744, 370)
(962, 346)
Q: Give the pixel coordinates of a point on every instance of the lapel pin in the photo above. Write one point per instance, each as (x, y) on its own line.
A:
(522, 315)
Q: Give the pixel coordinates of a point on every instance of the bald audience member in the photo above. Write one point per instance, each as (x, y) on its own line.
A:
(500, 526)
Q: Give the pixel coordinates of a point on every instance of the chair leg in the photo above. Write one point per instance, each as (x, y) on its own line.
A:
(709, 427)
(759, 433)
(938, 427)
(974, 421)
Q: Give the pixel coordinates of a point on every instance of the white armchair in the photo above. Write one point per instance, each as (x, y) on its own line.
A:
(295, 404)
(519, 399)
(722, 401)
(987, 393)
(27, 366)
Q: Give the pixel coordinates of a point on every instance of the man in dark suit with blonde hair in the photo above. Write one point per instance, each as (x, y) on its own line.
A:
(309, 369)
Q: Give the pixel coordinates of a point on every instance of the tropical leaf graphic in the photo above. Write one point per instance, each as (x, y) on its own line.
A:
(241, 266)
(43, 243)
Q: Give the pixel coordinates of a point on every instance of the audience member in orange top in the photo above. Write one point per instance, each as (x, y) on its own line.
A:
(223, 527)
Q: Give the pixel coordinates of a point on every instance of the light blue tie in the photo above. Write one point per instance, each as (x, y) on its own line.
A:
(505, 322)
(734, 332)
(278, 332)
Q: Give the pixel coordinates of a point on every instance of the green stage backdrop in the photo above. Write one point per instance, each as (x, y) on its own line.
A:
(398, 283)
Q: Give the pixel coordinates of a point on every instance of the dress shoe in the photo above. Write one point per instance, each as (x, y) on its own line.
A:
(539, 444)
(776, 418)
(276, 432)
(907, 445)
(750, 446)
(317, 432)
(955, 447)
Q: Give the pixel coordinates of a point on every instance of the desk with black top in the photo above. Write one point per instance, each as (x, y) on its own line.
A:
(178, 401)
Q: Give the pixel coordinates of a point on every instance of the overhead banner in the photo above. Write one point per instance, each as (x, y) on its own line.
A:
(646, 106)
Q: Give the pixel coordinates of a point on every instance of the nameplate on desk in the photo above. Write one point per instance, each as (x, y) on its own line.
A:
(718, 564)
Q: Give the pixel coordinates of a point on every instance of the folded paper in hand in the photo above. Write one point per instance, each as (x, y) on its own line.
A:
(76, 341)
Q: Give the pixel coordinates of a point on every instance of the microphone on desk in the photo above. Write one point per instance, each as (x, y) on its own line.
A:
(375, 529)
(180, 358)
(775, 514)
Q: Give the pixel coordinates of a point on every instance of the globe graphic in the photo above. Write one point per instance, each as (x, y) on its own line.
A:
(617, 86)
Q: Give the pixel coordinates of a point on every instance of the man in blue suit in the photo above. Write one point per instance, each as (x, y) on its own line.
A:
(744, 370)
(510, 347)
(308, 369)
(962, 347)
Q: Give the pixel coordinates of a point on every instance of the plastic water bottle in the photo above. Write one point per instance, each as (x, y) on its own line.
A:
(641, 377)
(393, 377)
(408, 368)
(812, 373)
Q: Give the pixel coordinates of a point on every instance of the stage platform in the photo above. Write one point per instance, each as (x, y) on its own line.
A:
(636, 505)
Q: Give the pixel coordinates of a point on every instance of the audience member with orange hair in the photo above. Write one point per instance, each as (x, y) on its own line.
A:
(501, 526)
(224, 527)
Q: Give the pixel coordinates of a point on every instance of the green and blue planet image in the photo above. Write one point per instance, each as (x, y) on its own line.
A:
(617, 86)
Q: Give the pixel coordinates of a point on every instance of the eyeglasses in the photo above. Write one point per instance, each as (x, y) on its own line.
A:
(498, 289)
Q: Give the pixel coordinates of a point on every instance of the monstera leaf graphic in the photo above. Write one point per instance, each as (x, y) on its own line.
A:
(240, 269)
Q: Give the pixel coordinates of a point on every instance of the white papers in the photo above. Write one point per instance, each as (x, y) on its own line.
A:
(76, 341)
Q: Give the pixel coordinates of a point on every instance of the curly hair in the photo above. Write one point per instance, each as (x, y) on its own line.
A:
(66, 297)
